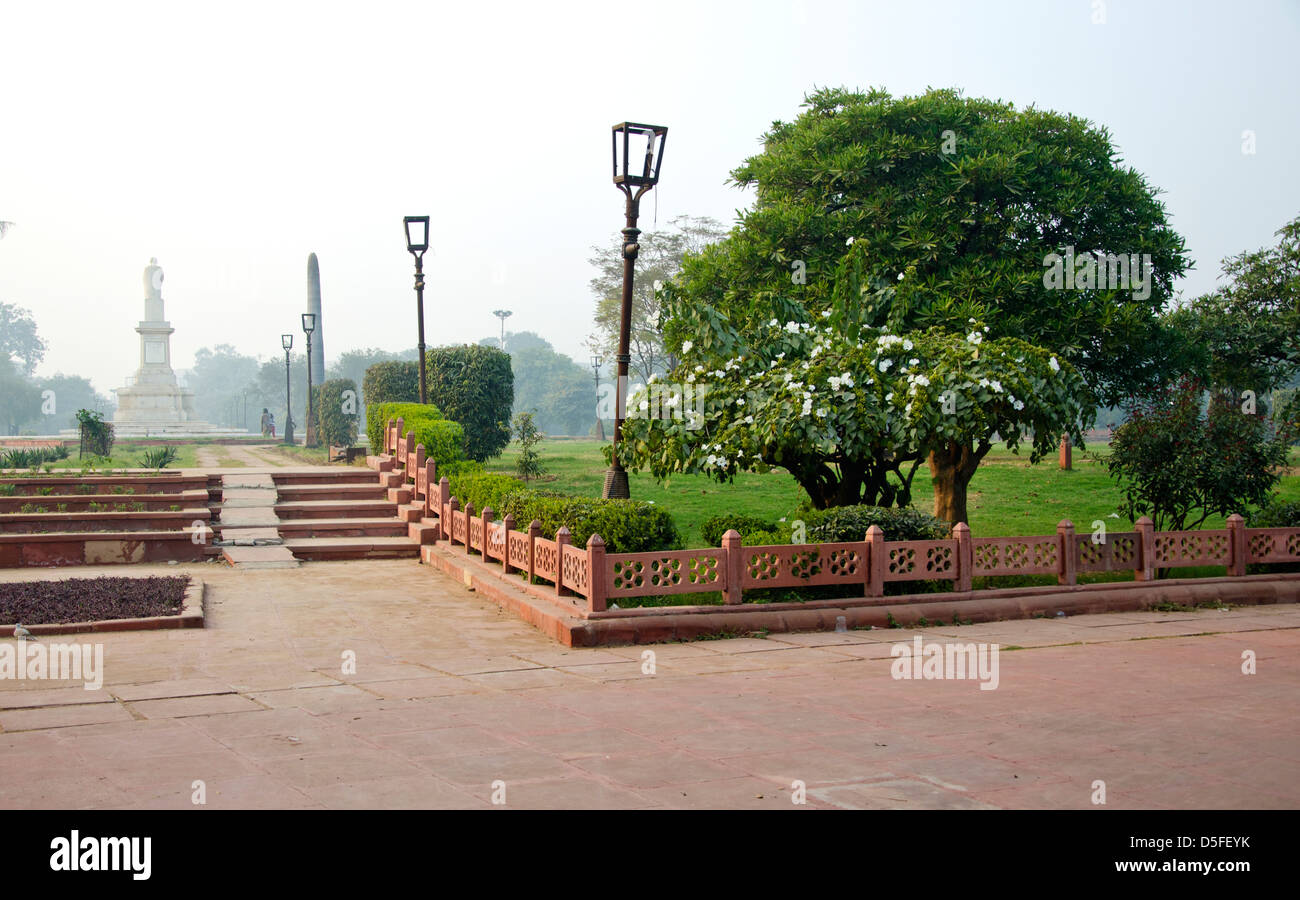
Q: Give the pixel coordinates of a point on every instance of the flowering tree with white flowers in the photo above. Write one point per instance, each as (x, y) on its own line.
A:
(850, 410)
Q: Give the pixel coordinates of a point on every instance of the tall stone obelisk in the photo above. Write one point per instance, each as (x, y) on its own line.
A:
(313, 306)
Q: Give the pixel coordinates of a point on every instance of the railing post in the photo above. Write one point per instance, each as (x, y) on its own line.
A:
(965, 557)
(450, 525)
(444, 492)
(733, 562)
(487, 517)
(596, 574)
(562, 540)
(1067, 457)
(419, 462)
(469, 530)
(507, 525)
(430, 487)
(406, 455)
(534, 532)
(876, 561)
(397, 436)
(1236, 545)
(1068, 570)
(1146, 570)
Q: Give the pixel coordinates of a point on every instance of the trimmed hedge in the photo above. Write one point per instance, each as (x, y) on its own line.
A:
(714, 527)
(378, 414)
(850, 523)
(475, 386)
(626, 526)
(483, 488)
(392, 382)
(443, 440)
(335, 404)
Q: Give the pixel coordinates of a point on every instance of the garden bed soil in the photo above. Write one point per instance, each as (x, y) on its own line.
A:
(91, 599)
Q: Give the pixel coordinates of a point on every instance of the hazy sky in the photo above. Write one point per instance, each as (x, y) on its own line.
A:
(230, 140)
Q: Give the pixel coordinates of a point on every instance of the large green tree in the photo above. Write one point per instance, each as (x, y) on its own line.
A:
(1246, 334)
(559, 393)
(19, 339)
(933, 212)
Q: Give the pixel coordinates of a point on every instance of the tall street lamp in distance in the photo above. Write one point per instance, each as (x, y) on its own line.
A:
(417, 242)
(308, 326)
(638, 154)
(596, 360)
(286, 340)
(502, 314)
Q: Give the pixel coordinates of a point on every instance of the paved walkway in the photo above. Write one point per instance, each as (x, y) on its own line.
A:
(450, 696)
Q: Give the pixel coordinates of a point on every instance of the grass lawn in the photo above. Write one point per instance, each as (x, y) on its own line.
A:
(126, 455)
(1007, 496)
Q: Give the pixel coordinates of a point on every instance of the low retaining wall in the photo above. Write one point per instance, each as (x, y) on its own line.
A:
(93, 548)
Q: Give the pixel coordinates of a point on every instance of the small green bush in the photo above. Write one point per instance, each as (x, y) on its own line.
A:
(482, 488)
(475, 386)
(159, 457)
(378, 414)
(335, 404)
(850, 523)
(443, 441)
(714, 527)
(626, 526)
(1276, 514)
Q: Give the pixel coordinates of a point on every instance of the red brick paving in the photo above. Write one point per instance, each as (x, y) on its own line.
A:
(451, 696)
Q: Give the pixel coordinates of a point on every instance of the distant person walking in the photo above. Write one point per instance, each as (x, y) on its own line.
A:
(266, 417)
(270, 423)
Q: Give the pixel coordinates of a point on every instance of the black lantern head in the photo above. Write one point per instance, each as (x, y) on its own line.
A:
(286, 341)
(417, 234)
(638, 154)
(308, 322)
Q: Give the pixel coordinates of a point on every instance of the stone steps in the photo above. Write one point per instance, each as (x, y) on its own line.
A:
(356, 526)
(335, 509)
(322, 548)
(295, 493)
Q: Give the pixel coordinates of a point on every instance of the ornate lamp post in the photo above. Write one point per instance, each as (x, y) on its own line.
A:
(417, 242)
(502, 314)
(308, 326)
(286, 341)
(635, 172)
(596, 360)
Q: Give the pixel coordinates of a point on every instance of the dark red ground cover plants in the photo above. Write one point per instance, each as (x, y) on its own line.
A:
(91, 599)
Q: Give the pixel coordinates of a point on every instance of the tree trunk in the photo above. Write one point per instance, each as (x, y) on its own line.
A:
(951, 470)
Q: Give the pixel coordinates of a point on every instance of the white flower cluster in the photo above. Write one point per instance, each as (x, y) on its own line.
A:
(845, 380)
(1054, 365)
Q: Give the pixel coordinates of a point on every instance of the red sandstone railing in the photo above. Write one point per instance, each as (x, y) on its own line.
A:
(589, 578)
(860, 566)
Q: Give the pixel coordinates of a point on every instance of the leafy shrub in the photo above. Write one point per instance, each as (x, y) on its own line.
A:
(1181, 464)
(391, 382)
(158, 457)
(378, 414)
(335, 403)
(475, 386)
(31, 457)
(443, 440)
(529, 464)
(714, 527)
(1276, 514)
(850, 523)
(483, 489)
(626, 526)
(96, 434)
(459, 467)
